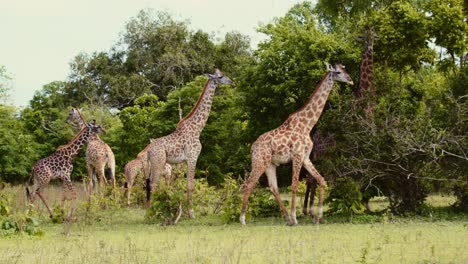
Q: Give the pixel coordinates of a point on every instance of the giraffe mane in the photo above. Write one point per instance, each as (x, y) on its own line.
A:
(80, 115)
(196, 105)
(144, 150)
(73, 139)
(312, 95)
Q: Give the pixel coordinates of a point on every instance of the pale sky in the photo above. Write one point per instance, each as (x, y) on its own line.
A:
(39, 38)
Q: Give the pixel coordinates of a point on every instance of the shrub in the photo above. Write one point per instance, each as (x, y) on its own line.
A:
(346, 197)
(25, 222)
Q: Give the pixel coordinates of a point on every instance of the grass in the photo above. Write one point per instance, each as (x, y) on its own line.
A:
(120, 235)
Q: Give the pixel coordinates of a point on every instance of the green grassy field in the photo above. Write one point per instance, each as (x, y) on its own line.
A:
(122, 236)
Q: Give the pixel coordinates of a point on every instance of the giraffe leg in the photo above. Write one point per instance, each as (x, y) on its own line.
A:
(191, 165)
(102, 180)
(129, 185)
(156, 162)
(260, 161)
(313, 186)
(68, 184)
(39, 193)
(273, 184)
(306, 199)
(296, 164)
(322, 184)
(90, 176)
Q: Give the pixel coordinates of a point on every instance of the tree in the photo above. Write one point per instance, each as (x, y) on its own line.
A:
(17, 148)
(404, 37)
(448, 26)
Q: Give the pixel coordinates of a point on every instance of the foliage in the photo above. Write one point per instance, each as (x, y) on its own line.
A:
(167, 201)
(18, 223)
(346, 197)
(231, 198)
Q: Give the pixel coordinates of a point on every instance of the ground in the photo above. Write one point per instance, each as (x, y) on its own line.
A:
(122, 236)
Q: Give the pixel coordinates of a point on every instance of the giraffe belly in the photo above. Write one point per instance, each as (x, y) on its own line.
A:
(278, 159)
(176, 158)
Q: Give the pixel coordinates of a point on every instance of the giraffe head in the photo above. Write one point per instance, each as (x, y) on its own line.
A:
(368, 36)
(95, 128)
(339, 74)
(219, 78)
(75, 118)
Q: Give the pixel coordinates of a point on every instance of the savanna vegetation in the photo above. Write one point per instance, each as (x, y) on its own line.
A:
(412, 147)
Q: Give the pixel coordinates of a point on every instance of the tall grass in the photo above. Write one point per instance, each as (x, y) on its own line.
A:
(120, 235)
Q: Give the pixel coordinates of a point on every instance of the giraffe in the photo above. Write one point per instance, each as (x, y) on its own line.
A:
(98, 154)
(139, 165)
(366, 69)
(59, 165)
(291, 142)
(183, 145)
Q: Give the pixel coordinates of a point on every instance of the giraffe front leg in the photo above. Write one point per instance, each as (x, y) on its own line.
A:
(273, 185)
(68, 184)
(190, 186)
(155, 166)
(297, 164)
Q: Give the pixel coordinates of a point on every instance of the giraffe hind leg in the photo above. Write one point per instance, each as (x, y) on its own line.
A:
(39, 193)
(260, 162)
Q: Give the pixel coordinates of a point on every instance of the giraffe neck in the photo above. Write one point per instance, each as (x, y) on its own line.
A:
(76, 144)
(305, 118)
(81, 120)
(366, 68)
(197, 118)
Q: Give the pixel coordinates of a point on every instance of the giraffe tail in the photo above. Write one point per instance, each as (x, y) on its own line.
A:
(148, 189)
(28, 194)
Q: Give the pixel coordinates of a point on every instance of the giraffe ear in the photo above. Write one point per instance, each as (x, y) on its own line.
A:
(330, 68)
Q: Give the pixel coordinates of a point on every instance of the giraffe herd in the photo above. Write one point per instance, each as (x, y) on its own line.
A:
(290, 142)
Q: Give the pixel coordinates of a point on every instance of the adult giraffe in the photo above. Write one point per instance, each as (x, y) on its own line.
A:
(366, 70)
(183, 145)
(291, 142)
(59, 165)
(98, 154)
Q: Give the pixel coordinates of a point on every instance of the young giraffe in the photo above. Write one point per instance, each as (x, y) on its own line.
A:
(140, 166)
(183, 145)
(98, 154)
(366, 69)
(59, 165)
(291, 142)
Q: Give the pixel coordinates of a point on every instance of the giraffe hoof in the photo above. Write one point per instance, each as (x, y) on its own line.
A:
(191, 214)
(318, 220)
(242, 220)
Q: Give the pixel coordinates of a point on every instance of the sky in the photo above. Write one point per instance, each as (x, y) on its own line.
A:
(39, 39)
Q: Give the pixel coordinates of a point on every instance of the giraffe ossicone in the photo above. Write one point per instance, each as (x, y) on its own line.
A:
(291, 142)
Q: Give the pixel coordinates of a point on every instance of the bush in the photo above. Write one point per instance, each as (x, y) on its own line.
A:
(26, 222)
(346, 197)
